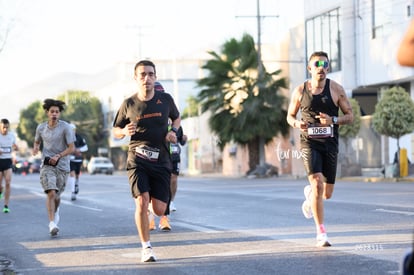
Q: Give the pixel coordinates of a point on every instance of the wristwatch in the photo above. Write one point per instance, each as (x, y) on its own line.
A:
(335, 120)
(175, 130)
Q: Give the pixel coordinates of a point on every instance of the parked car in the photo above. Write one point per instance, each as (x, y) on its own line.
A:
(35, 165)
(21, 166)
(100, 165)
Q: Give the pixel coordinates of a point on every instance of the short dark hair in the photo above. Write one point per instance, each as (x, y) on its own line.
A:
(47, 103)
(320, 53)
(145, 63)
(4, 121)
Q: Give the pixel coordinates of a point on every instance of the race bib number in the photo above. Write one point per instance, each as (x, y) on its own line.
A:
(148, 153)
(320, 131)
(6, 149)
(175, 149)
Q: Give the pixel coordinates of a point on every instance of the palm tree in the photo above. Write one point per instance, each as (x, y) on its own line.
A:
(246, 109)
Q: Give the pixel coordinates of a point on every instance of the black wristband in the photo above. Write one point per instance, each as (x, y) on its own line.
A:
(175, 130)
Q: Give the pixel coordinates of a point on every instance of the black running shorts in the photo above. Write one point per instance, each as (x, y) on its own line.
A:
(320, 161)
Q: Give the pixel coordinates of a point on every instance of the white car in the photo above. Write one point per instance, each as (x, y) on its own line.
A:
(100, 165)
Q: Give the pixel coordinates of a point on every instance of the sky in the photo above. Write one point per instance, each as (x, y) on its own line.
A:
(88, 36)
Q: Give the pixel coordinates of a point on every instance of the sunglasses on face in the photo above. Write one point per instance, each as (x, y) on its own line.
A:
(321, 63)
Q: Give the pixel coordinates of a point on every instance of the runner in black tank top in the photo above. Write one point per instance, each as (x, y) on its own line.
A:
(318, 101)
(311, 106)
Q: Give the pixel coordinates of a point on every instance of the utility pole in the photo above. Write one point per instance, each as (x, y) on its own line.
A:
(259, 18)
(137, 30)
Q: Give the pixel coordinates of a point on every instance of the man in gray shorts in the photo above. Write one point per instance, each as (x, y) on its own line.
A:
(58, 144)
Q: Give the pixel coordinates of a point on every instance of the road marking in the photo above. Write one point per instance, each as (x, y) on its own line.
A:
(408, 213)
(69, 203)
(196, 227)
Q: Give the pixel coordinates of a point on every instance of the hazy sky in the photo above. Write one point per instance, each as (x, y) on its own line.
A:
(87, 36)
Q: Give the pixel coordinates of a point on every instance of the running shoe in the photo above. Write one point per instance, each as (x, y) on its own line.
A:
(147, 255)
(172, 206)
(307, 192)
(307, 209)
(73, 197)
(6, 209)
(322, 240)
(57, 216)
(76, 188)
(164, 224)
(306, 205)
(53, 229)
(151, 220)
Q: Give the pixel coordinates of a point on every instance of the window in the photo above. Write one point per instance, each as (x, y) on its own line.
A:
(381, 17)
(323, 34)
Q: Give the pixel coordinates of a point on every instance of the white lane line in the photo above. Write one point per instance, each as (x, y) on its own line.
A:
(197, 227)
(69, 203)
(408, 213)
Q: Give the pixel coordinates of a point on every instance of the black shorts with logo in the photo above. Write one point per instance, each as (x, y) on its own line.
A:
(320, 161)
(5, 164)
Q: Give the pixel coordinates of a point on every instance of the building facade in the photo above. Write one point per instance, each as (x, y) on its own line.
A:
(361, 38)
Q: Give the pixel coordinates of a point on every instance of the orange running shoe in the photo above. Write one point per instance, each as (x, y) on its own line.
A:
(151, 221)
(164, 224)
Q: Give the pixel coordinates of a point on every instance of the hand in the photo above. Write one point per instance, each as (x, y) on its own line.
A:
(324, 119)
(54, 160)
(171, 137)
(130, 129)
(301, 125)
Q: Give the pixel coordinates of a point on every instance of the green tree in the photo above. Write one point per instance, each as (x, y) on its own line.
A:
(85, 112)
(246, 109)
(81, 109)
(192, 107)
(394, 114)
(29, 119)
(349, 131)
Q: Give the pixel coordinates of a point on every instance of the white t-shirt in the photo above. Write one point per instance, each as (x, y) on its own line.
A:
(6, 145)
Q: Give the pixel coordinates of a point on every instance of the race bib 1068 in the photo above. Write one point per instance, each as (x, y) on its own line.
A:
(320, 131)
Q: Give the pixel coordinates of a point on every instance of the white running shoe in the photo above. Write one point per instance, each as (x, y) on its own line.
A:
(53, 229)
(172, 206)
(307, 192)
(307, 209)
(147, 255)
(57, 216)
(322, 240)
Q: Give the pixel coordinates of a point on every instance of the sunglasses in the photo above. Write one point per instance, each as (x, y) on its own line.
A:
(321, 63)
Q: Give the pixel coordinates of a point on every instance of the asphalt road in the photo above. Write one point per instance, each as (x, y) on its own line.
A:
(222, 226)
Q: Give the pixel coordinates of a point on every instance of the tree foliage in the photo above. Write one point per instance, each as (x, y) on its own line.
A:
(348, 131)
(245, 107)
(192, 107)
(394, 113)
(351, 130)
(81, 109)
(29, 119)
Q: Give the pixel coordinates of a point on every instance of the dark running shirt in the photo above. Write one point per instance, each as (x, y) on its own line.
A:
(79, 143)
(311, 106)
(152, 123)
